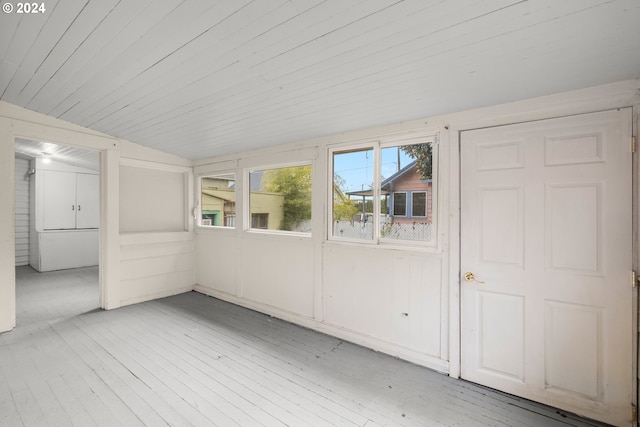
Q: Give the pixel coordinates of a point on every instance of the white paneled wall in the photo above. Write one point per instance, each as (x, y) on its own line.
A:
(402, 299)
(156, 244)
(218, 248)
(22, 212)
(155, 265)
(279, 273)
(390, 295)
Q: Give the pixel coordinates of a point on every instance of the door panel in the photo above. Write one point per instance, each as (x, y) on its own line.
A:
(59, 200)
(88, 199)
(546, 229)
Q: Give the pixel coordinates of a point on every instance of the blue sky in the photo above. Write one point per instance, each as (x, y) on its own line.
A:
(356, 168)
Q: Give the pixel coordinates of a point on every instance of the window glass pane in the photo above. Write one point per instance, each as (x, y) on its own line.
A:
(419, 204)
(218, 200)
(404, 185)
(352, 204)
(280, 199)
(399, 204)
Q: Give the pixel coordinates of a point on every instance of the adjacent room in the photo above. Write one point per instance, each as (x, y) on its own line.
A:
(319, 212)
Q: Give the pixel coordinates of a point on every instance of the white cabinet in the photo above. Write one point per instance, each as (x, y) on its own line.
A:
(70, 200)
(88, 199)
(64, 230)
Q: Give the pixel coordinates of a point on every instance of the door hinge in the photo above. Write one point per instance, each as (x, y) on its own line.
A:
(634, 279)
(634, 413)
(633, 144)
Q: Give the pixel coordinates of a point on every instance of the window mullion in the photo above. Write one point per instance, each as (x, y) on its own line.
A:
(377, 209)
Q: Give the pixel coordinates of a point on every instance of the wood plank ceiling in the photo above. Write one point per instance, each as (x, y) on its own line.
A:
(201, 78)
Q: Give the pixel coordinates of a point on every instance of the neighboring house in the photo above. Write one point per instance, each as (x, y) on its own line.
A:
(219, 205)
(267, 210)
(410, 196)
(218, 202)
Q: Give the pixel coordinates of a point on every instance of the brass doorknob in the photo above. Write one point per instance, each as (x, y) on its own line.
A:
(470, 277)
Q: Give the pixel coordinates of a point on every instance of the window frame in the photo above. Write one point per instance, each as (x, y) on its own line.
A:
(426, 203)
(406, 203)
(199, 210)
(246, 214)
(376, 145)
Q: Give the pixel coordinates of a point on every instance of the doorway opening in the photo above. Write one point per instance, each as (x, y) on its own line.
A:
(57, 224)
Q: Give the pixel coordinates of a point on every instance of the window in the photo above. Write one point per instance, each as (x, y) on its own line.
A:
(280, 199)
(419, 204)
(380, 191)
(260, 220)
(399, 204)
(352, 205)
(218, 200)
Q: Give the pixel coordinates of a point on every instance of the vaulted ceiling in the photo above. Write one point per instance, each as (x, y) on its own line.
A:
(200, 78)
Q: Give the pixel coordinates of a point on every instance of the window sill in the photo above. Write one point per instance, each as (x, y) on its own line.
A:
(421, 247)
(277, 233)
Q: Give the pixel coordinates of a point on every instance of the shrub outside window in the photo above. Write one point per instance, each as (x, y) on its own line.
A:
(382, 191)
(218, 200)
(280, 199)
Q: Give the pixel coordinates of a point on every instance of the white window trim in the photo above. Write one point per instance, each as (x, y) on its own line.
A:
(377, 145)
(246, 198)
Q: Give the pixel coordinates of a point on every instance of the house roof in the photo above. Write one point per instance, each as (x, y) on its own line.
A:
(365, 193)
(226, 195)
(410, 167)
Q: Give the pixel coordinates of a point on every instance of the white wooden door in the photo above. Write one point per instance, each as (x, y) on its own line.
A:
(59, 200)
(546, 230)
(88, 200)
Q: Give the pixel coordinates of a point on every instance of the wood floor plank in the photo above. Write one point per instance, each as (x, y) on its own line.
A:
(323, 378)
(254, 385)
(240, 356)
(165, 379)
(166, 403)
(242, 398)
(305, 375)
(132, 392)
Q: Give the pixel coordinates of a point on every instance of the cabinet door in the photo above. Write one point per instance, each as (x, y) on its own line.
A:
(88, 201)
(59, 201)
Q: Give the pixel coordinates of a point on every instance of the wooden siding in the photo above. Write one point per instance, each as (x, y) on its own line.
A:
(201, 78)
(22, 212)
(155, 265)
(194, 360)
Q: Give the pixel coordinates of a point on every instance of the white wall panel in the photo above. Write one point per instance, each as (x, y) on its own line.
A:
(279, 272)
(218, 260)
(155, 265)
(7, 229)
(22, 212)
(388, 294)
(67, 249)
(151, 200)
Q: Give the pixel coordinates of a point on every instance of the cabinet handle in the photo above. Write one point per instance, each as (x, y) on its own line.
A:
(73, 207)
(78, 207)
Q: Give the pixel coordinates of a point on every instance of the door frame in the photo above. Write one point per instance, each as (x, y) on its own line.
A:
(29, 125)
(580, 102)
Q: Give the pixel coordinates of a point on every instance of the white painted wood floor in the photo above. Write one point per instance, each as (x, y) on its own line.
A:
(195, 360)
